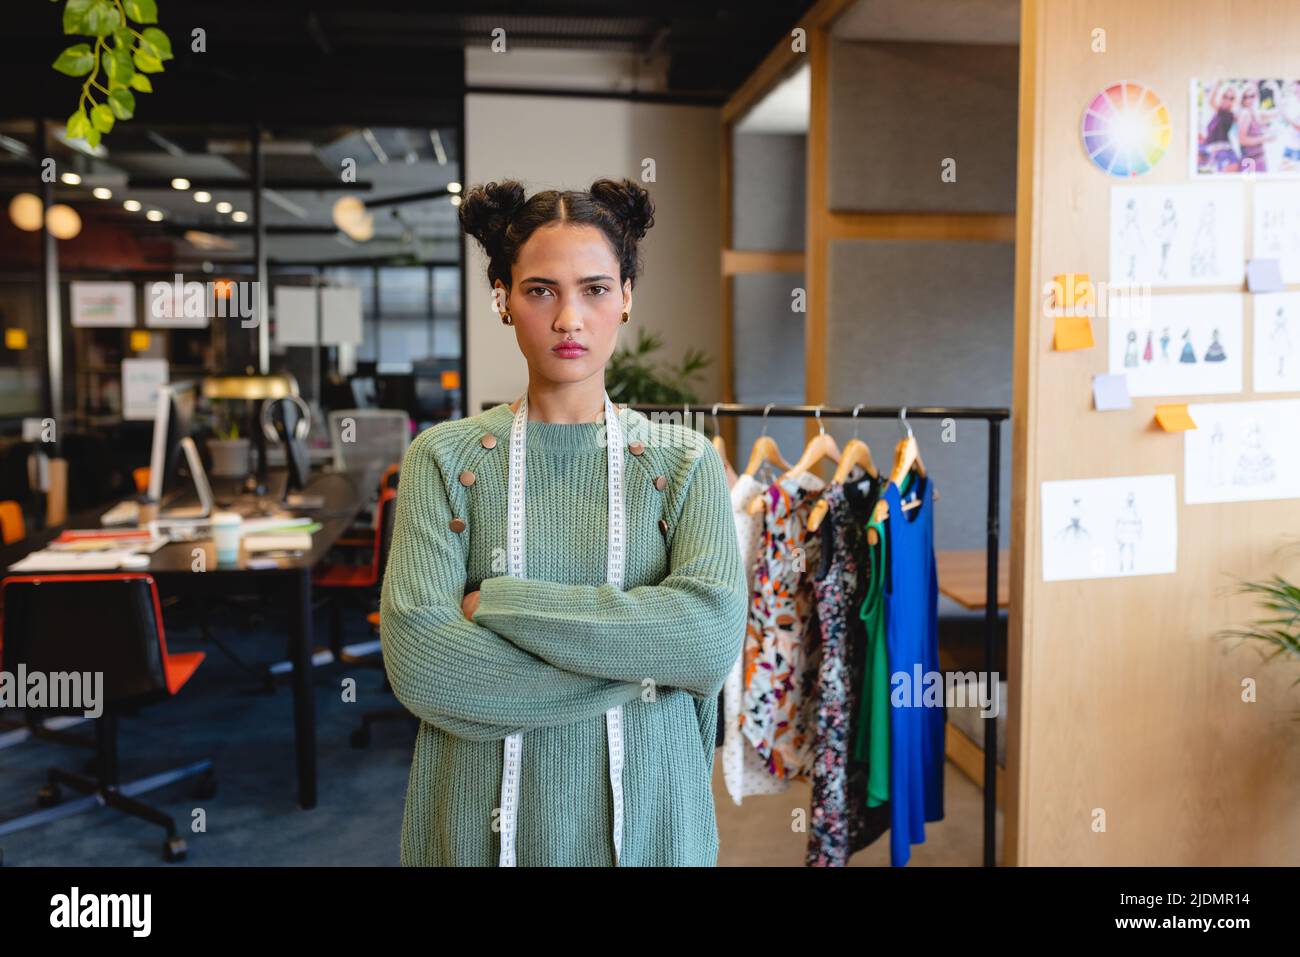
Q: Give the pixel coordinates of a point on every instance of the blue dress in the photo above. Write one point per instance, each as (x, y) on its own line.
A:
(912, 630)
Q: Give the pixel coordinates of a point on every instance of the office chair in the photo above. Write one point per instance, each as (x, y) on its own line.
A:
(341, 580)
(12, 526)
(109, 623)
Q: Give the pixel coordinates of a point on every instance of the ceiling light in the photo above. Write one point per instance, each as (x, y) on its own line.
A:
(239, 216)
(62, 221)
(363, 231)
(154, 215)
(348, 212)
(132, 206)
(25, 212)
(202, 196)
(224, 207)
(71, 178)
(180, 182)
(455, 200)
(102, 192)
(453, 187)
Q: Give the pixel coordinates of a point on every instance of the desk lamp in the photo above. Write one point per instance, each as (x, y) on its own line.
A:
(256, 389)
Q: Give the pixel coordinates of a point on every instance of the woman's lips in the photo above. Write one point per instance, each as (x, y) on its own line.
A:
(569, 350)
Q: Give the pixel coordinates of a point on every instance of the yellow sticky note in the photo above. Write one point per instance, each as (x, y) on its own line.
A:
(1072, 332)
(1076, 289)
(1174, 418)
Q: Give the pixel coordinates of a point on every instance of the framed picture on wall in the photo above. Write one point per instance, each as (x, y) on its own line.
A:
(1244, 126)
(102, 304)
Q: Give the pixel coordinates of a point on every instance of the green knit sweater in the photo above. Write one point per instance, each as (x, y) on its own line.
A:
(547, 655)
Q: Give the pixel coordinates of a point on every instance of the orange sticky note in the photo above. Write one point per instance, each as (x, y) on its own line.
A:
(1072, 332)
(1076, 289)
(1174, 418)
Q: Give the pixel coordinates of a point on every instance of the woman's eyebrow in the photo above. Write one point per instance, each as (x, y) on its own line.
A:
(556, 282)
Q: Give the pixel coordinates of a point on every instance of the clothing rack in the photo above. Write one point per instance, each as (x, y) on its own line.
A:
(994, 417)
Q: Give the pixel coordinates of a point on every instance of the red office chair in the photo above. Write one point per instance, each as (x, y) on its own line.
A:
(110, 624)
(339, 581)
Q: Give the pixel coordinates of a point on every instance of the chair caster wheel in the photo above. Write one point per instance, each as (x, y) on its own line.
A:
(174, 849)
(361, 737)
(49, 796)
(206, 787)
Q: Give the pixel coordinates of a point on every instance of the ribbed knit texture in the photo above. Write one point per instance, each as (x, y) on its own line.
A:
(547, 655)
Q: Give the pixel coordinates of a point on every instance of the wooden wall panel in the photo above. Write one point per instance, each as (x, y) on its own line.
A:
(1122, 698)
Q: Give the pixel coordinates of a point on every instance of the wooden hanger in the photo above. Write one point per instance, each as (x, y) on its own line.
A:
(907, 457)
(765, 449)
(822, 446)
(720, 444)
(856, 454)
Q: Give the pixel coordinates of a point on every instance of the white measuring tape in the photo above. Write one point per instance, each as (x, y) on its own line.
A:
(614, 575)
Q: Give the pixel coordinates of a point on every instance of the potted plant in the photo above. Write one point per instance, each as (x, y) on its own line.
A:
(633, 378)
(229, 452)
(1278, 634)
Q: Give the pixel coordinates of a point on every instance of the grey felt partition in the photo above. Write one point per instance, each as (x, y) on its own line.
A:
(898, 110)
(927, 323)
(769, 357)
(768, 185)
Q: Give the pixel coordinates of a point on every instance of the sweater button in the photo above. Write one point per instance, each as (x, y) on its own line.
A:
(467, 478)
(663, 526)
(660, 482)
(457, 525)
(489, 441)
(636, 448)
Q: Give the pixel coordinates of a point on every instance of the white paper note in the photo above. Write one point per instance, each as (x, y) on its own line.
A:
(1178, 235)
(1178, 344)
(1242, 451)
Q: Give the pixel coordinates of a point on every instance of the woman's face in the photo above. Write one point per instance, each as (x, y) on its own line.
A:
(566, 288)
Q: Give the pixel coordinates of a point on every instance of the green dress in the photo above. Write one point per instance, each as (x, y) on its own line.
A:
(872, 744)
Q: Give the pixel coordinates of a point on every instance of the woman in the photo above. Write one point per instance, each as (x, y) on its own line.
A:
(565, 720)
(1217, 154)
(1253, 130)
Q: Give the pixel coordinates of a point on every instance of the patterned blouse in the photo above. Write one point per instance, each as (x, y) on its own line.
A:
(840, 822)
(743, 771)
(780, 657)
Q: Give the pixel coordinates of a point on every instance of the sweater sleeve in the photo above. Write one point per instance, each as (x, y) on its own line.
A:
(445, 669)
(684, 632)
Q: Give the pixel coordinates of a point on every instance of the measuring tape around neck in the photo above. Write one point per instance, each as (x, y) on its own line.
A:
(614, 559)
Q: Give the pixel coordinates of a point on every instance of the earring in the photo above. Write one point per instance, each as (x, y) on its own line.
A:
(626, 317)
(506, 320)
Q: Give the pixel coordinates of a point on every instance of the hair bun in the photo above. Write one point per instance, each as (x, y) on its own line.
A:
(486, 211)
(629, 201)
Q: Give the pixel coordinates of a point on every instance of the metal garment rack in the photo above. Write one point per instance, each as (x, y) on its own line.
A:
(994, 417)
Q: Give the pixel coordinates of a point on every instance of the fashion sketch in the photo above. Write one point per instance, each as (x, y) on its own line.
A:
(1216, 351)
(1281, 340)
(1128, 532)
(1255, 466)
(1130, 238)
(1188, 355)
(1166, 233)
(1165, 339)
(1205, 260)
(1218, 465)
(1131, 351)
(1075, 533)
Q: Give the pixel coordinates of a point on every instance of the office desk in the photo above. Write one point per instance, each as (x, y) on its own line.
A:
(173, 567)
(963, 577)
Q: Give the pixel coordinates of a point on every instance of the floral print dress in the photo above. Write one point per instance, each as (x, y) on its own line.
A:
(743, 772)
(778, 706)
(841, 823)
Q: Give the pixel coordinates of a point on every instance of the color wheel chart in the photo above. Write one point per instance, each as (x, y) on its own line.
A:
(1126, 129)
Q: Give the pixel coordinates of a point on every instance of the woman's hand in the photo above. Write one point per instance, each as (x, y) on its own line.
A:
(469, 604)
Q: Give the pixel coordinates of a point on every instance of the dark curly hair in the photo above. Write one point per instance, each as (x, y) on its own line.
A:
(499, 217)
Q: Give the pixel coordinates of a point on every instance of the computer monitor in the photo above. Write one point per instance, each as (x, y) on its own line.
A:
(171, 423)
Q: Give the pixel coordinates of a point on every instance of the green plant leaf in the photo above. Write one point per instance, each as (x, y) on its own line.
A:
(74, 16)
(92, 136)
(122, 39)
(76, 60)
(155, 41)
(102, 118)
(147, 62)
(142, 11)
(78, 125)
(122, 103)
(140, 83)
(117, 64)
(101, 19)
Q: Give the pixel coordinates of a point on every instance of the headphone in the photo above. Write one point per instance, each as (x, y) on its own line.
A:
(300, 428)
